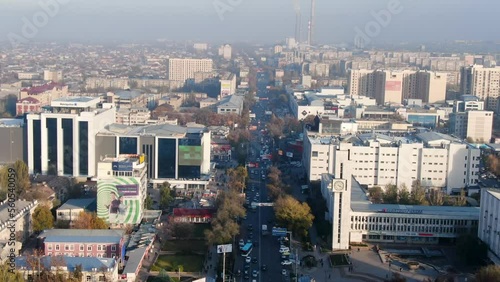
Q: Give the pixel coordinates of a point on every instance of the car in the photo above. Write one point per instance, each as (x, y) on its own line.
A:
(284, 249)
(250, 227)
(247, 265)
(285, 254)
(246, 276)
(263, 267)
(254, 260)
(241, 243)
(248, 259)
(286, 262)
(283, 272)
(255, 273)
(284, 257)
(257, 194)
(238, 273)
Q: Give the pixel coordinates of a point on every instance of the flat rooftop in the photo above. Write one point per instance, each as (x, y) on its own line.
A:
(75, 99)
(165, 130)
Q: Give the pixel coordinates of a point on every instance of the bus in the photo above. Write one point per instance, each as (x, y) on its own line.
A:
(246, 249)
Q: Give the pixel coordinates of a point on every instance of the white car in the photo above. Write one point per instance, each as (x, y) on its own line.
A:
(284, 250)
(286, 262)
(283, 272)
(248, 259)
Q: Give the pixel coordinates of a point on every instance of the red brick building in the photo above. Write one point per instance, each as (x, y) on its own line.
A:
(27, 105)
(193, 215)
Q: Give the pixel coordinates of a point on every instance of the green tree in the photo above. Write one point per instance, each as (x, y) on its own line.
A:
(294, 215)
(391, 194)
(490, 273)
(42, 218)
(21, 176)
(148, 203)
(418, 194)
(376, 194)
(166, 195)
(7, 275)
(404, 195)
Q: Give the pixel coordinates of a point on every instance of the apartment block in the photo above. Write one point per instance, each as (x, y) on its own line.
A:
(184, 69)
(483, 82)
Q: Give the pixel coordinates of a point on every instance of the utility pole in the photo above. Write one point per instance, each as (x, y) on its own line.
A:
(223, 267)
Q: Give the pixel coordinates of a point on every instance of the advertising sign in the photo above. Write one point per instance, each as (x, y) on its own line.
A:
(222, 249)
(393, 86)
(122, 166)
(128, 189)
(118, 201)
(279, 232)
(190, 155)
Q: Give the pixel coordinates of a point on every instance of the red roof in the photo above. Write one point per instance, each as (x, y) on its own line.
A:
(28, 100)
(42, 88)
(180, 212)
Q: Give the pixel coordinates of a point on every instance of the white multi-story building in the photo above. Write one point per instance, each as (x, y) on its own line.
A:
(133, 116)
(433, 159)
(489, 228)
(53, 75)
(227, 85)
(62, 140)
(121, 189)
(475, 125)
(184, 69)
(226, 51)
(482, 82)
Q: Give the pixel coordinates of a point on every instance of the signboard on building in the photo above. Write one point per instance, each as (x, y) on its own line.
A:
(122, 166)
(222, 249)
(402, 211)
(119, 200)
(128, 189)
(279, 232)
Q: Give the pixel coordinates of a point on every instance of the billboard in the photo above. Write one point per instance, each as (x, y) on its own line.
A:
(393, 86)
(122, 166)
(118, 200)
(190, 155)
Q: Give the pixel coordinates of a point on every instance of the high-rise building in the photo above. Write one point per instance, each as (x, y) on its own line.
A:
(227, 84)
(396, 86)
(226, 51)
(61, 140)
(51, 75)
(200, 47)
(183, 69)
(474, 125)
(482, 82)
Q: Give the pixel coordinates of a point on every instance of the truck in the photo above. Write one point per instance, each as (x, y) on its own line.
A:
(265, 231)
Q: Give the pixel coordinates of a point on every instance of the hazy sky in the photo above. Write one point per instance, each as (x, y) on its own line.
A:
(251, 20)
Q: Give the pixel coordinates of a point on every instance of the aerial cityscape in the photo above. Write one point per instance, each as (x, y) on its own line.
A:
(260, 141)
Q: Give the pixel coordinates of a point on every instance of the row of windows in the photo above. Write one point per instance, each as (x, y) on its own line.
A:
(412, 220)
(411, 228)
(70, 247)
(81, 255)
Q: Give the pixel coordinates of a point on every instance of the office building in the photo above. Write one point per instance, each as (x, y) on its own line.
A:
(200, 47)
(477, 126)
(53, 75)
(433, 159)
(227, 84)
(483, 82)
(489, 229)
(355, 219)
(393, 87)
(179, 155)
(184, 69)
(12, 140)
(61, 140)
(121, 188)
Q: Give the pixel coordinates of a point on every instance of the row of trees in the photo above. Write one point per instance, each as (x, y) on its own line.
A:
(418, 196)
(275, 186)
(224, 226)
(43, 219)
(22, 179)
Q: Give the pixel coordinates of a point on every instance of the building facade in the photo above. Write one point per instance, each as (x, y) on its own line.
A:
(184, 69)
(12, 139)
(61, 140)
(483, 82)
(227, 85)
(474, 125)
(121, 189)
(20, 220)
(489, 229)
(46, 93)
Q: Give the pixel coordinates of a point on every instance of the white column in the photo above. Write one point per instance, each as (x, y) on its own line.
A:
(76, 148)
(30, 143)
(155, 156)
(176, 158)
(60, 147)
(43, 143)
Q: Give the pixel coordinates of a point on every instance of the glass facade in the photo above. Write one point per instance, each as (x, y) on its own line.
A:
(148, 151)
(51, 125)
(83, 128)
(167, 158)
(37, 146)
(128, 145)
(189, 172)
(421, 120)
(67, 126)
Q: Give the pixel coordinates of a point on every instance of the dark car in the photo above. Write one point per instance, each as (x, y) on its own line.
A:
(238, 273)
(263, 267)
(254, 260)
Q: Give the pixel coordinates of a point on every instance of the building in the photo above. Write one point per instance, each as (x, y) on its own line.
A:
(193, 215)
(200, 47)
(468, 103)
(45, 94)
(184, 69)
(180, 155)
(227, 84)
(489, 229)
(483, 82)
(355, 219)
(71, 209)
(27, 105)
(226, 51)
(207, 103)
(133, 116)
(175, 101)
(28, 76)
(92, 268)
(477, 126)
(127, 99)
(61, 140)
(391, 86)
(121, 188)
(231, 105)
(433, 159)
(100, 243)
(53, 75)
(20, 220)
(102, 83)
(12, 139)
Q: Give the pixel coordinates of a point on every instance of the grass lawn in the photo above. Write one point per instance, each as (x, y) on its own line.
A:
(184, 246)
(338, 260)
(190, 263)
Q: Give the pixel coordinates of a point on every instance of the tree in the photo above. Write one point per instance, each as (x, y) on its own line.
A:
(417, 196)
(7, 275)
(166, 195)
(88, 220)
(391, 194)
(22, 179)
(294, 215)
(77, 273)
(148, 203)
(376, 194)
(162, 276)
(436, 197)
(183, 230)
(404, 195)
(490, 273)
(42, 218)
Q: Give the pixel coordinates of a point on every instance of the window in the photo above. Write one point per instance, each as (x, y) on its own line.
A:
(81, 247)
(57, 247)
(89, 248)
(49, 247)
(66, 247)
(314, 153)
(99, 247)
(89, 278)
